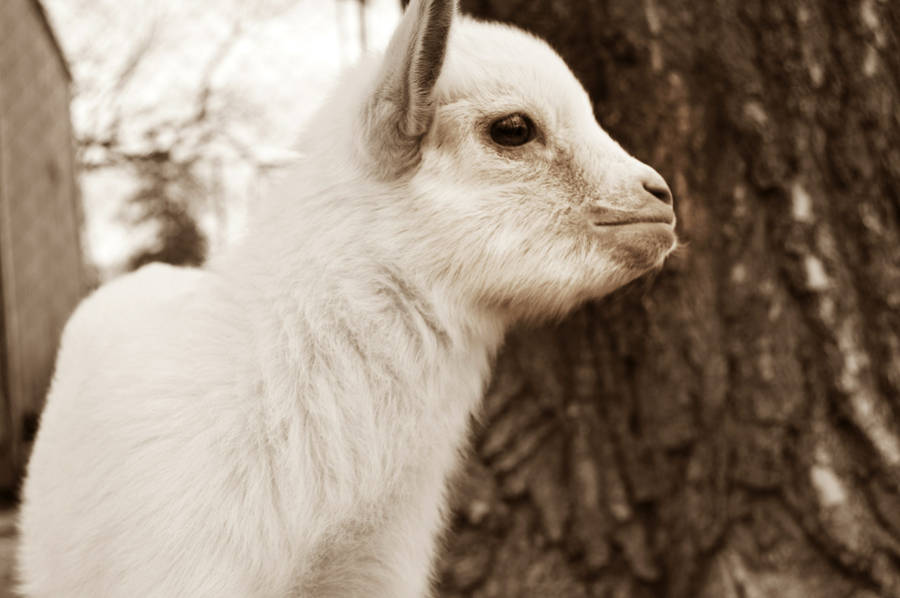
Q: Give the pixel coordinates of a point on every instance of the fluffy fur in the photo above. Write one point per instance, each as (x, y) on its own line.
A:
(283, 421)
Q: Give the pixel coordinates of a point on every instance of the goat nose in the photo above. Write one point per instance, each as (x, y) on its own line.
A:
(656, 186)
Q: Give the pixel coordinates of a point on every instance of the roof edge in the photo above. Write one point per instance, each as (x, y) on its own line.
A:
(48, 27)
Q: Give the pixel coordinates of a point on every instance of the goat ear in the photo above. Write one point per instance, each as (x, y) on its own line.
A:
(401, 107)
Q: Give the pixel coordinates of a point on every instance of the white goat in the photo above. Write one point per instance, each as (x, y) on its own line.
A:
(283, 422)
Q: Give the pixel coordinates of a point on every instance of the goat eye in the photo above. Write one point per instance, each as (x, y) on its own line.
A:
(512, 130)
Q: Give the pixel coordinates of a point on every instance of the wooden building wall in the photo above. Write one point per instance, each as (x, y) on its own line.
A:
(41, 273)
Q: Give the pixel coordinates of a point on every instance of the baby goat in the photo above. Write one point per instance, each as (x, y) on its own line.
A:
(283, 422)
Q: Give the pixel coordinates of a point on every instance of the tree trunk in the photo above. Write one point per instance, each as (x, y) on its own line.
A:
(730, 429)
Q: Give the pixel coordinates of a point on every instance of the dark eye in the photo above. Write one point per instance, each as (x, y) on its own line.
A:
(512, 130)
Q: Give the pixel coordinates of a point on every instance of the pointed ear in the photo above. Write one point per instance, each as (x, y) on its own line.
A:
(401, 108)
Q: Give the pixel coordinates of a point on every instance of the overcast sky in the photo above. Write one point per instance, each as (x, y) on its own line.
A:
(285, 56)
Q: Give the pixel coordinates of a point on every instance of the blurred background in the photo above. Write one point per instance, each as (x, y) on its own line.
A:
(729, 430)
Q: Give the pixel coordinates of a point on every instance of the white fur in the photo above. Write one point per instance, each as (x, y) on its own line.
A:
(283, 422)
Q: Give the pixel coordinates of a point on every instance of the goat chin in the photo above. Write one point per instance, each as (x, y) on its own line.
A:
(283, 421)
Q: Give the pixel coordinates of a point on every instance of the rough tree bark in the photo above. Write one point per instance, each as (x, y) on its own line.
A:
(731, 429)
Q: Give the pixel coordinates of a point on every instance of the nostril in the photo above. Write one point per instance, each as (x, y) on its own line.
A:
(660, 191)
